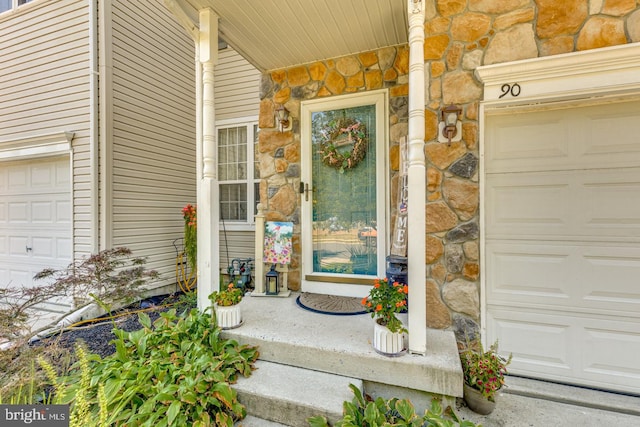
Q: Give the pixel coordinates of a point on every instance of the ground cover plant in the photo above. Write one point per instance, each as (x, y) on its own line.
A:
(157, 366)
(364, 412)
(113, 277)
(174, 371)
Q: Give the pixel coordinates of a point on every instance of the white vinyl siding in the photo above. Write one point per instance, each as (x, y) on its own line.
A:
(235, 244)
(44, 88)
(153, 149)
(236, 87)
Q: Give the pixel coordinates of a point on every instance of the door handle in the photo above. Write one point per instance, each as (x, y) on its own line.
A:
(304, 188)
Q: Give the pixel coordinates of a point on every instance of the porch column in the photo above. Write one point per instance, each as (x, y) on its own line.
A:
(208, 207)
(417, 183)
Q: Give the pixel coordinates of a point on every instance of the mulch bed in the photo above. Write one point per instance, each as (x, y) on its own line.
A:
(97, 335)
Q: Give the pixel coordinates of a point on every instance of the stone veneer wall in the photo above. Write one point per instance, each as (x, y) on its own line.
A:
(460, 35)
(279, 152)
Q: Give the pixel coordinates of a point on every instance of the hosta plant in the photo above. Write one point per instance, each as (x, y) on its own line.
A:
(363, 412)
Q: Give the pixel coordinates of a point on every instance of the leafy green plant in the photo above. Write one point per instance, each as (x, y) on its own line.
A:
(385, 300)
(484, 369)
(361, 412)
(227, 297)
(174, 371)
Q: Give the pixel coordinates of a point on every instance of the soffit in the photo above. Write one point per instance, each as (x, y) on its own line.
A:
(274, 34)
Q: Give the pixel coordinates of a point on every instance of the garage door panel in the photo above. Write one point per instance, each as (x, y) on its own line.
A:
(18, 212)
(610, 131)
(609, 201)
(533, 341)
(608, 278)
(596, 136)
(570, 277)
(610, 353)
(594, 205)
(63, 212)
(544, 346)
(527, 203)
(516, 138)
(537, 274)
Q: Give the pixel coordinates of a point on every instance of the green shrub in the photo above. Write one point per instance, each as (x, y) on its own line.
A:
(176, 371)
(394, 412)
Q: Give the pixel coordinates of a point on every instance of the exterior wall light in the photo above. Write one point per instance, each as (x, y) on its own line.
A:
(282, 116)
(450, 126)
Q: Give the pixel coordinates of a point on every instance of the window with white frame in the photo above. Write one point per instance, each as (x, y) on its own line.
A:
(6, 5)
(238, 172)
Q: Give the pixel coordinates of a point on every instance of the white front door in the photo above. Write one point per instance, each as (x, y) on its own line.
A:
(344, 194)
(35, 220)
(562, 227)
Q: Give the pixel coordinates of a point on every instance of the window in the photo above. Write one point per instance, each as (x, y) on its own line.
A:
(238, 172)
(6, 5)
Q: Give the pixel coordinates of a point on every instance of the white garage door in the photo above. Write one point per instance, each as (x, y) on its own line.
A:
(35, 220)
(562, 242)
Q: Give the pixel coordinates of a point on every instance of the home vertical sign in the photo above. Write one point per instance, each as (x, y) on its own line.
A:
(399, 243)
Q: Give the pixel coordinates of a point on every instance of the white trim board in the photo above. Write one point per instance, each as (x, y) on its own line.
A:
(604, 71)
(31, 147)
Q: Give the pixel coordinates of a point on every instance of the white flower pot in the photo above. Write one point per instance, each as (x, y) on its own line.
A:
(386, 342)
(228, 317)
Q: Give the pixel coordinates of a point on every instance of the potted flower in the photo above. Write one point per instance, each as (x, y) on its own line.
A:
(226, 306)
(483, 376)
(385, 301)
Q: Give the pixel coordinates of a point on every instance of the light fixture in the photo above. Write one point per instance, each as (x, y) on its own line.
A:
(272, 281)
(282, 116)
(450, 127)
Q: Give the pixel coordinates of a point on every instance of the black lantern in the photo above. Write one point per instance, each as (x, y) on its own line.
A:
(273, 281)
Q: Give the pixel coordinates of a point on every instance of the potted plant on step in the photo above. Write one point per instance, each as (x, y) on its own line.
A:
(226, 306)
(483, 376)
(385, 301)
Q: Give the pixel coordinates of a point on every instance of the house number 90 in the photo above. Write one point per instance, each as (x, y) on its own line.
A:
(507, 88)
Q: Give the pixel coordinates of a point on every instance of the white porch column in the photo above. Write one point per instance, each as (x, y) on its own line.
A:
(208, 206)
(417, 183)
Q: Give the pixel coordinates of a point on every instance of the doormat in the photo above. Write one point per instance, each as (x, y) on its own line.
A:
(330, 304)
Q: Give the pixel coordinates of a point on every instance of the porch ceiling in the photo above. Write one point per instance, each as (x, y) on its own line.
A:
(274, 34)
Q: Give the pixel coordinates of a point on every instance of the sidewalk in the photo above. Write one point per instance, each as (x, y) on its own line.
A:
(552, 405)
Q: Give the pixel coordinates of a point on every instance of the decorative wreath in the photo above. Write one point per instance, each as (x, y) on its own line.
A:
(343, 132)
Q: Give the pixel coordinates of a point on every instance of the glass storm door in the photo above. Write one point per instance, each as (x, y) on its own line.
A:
(343, 193)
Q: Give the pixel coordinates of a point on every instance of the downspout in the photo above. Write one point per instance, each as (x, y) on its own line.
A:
(416, 199)
(93, 128)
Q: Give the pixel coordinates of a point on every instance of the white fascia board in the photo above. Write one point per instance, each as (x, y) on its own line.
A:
(51, 144)
(603, 71)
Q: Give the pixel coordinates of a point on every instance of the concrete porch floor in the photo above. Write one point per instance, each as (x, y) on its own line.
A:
(291, 335)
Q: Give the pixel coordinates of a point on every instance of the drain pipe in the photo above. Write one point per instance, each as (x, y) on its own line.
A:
(93, 124)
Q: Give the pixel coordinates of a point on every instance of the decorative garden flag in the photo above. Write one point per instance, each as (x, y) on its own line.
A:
(278, 242)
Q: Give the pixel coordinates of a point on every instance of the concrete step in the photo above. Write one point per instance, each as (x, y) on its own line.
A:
(251, 421)
(289, 395)
(573, 395)
(341, 345)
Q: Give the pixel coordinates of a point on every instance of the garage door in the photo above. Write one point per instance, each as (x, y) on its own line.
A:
(562, 242)
(35, 220)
